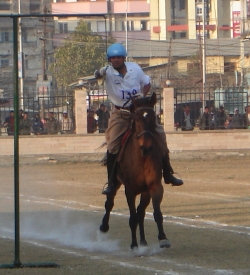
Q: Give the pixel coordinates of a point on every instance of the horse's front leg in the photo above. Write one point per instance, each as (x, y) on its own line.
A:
(133, 221)
(141, 210)
(109, 204)
(157, 195)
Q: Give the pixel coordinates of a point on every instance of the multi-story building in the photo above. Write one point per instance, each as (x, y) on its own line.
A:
(184, 18)
(34, 34)
(125, 20)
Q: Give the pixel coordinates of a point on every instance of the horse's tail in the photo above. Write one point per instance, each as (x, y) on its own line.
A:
(102, 145)
(104, 159)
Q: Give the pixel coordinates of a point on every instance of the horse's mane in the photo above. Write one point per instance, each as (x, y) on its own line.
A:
(141, 102)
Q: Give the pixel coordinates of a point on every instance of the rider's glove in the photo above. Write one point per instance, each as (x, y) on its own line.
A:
(96, 74)
(103, 71)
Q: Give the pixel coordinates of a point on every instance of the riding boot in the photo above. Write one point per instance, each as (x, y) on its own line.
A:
(112, 173)
(168, 172)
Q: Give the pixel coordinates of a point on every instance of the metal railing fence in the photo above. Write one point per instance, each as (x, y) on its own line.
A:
(230, 98)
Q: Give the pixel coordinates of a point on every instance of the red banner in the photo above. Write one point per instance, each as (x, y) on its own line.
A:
(236, 24)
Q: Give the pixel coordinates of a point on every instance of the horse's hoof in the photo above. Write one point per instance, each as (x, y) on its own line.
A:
(134, 247)
(165, 243)
(143, 243)
(104, 228)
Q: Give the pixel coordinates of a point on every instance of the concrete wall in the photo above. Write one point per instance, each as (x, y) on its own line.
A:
(82, 143)
(89, 143)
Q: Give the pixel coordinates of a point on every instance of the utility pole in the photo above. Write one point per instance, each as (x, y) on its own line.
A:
(173, 11)
(203, 58)
(44, 39)
(243, 39)
(43, 87)
(169, 59)
(243, 6)
(20, 57)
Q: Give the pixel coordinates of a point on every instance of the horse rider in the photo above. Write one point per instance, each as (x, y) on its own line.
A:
(123, 80)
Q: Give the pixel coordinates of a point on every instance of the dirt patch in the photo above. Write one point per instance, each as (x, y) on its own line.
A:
(207, 219)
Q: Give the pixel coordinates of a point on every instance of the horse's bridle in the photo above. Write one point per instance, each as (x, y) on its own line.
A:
(144, 132)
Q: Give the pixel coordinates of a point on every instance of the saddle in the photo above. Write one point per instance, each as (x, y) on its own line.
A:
(125, 139)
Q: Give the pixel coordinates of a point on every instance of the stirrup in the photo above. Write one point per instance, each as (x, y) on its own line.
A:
(109, 190)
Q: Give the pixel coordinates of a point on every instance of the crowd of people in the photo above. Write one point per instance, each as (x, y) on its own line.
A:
(38, 125)
(211, 119)
(98, 120)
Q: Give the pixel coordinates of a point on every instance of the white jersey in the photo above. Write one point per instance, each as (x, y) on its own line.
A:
(120, 89)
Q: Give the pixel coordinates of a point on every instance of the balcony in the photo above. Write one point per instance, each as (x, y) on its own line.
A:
(225, 28)
(207, 27)
(101, 7)
(177, 28)
(131, 6)
(87, 8)
(156, 29)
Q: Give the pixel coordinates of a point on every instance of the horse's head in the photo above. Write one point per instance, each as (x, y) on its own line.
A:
(144, 122)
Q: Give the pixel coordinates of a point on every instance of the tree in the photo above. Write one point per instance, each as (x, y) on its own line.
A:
(82, 53)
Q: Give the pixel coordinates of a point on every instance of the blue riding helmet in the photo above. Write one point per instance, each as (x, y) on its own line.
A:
(116, 50)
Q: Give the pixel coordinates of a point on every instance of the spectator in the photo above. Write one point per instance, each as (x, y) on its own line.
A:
(229, 122)
(37, 125)
(103, 118)
(91, 122)
(220, 118)
(205, 120)
(21, 114)
(246, 118)
(177, 117)
(24, 125)
(9, 123)
(66, 124)
(237, 120)
(186, 120)
(52, 125)
(160, 118)
(211, 118)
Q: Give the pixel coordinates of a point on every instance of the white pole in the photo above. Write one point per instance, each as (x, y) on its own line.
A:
(203, 57)
(242, 56)
(126, 26)
(21, 56)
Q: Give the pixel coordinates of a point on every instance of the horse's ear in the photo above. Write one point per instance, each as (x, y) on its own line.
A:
(153, 98)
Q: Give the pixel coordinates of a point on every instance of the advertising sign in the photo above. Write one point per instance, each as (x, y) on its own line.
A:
(236, 24)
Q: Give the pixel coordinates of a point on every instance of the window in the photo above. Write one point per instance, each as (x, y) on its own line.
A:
(183, 34)
(130, 25)
(35, 8)
(5, 37)
(101, 26)
(144, 25)
(229, 67)
(182, 4)
(199, 11)
(4, 6)
(63, 27)
(4, 63)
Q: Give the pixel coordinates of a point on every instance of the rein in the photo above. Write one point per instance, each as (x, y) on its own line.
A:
(145, 132)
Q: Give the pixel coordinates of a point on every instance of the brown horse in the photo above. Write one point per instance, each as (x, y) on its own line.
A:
(140, 170)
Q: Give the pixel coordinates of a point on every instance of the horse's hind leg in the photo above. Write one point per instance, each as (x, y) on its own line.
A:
(109, 204)
(156, 200)
(141, 210)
